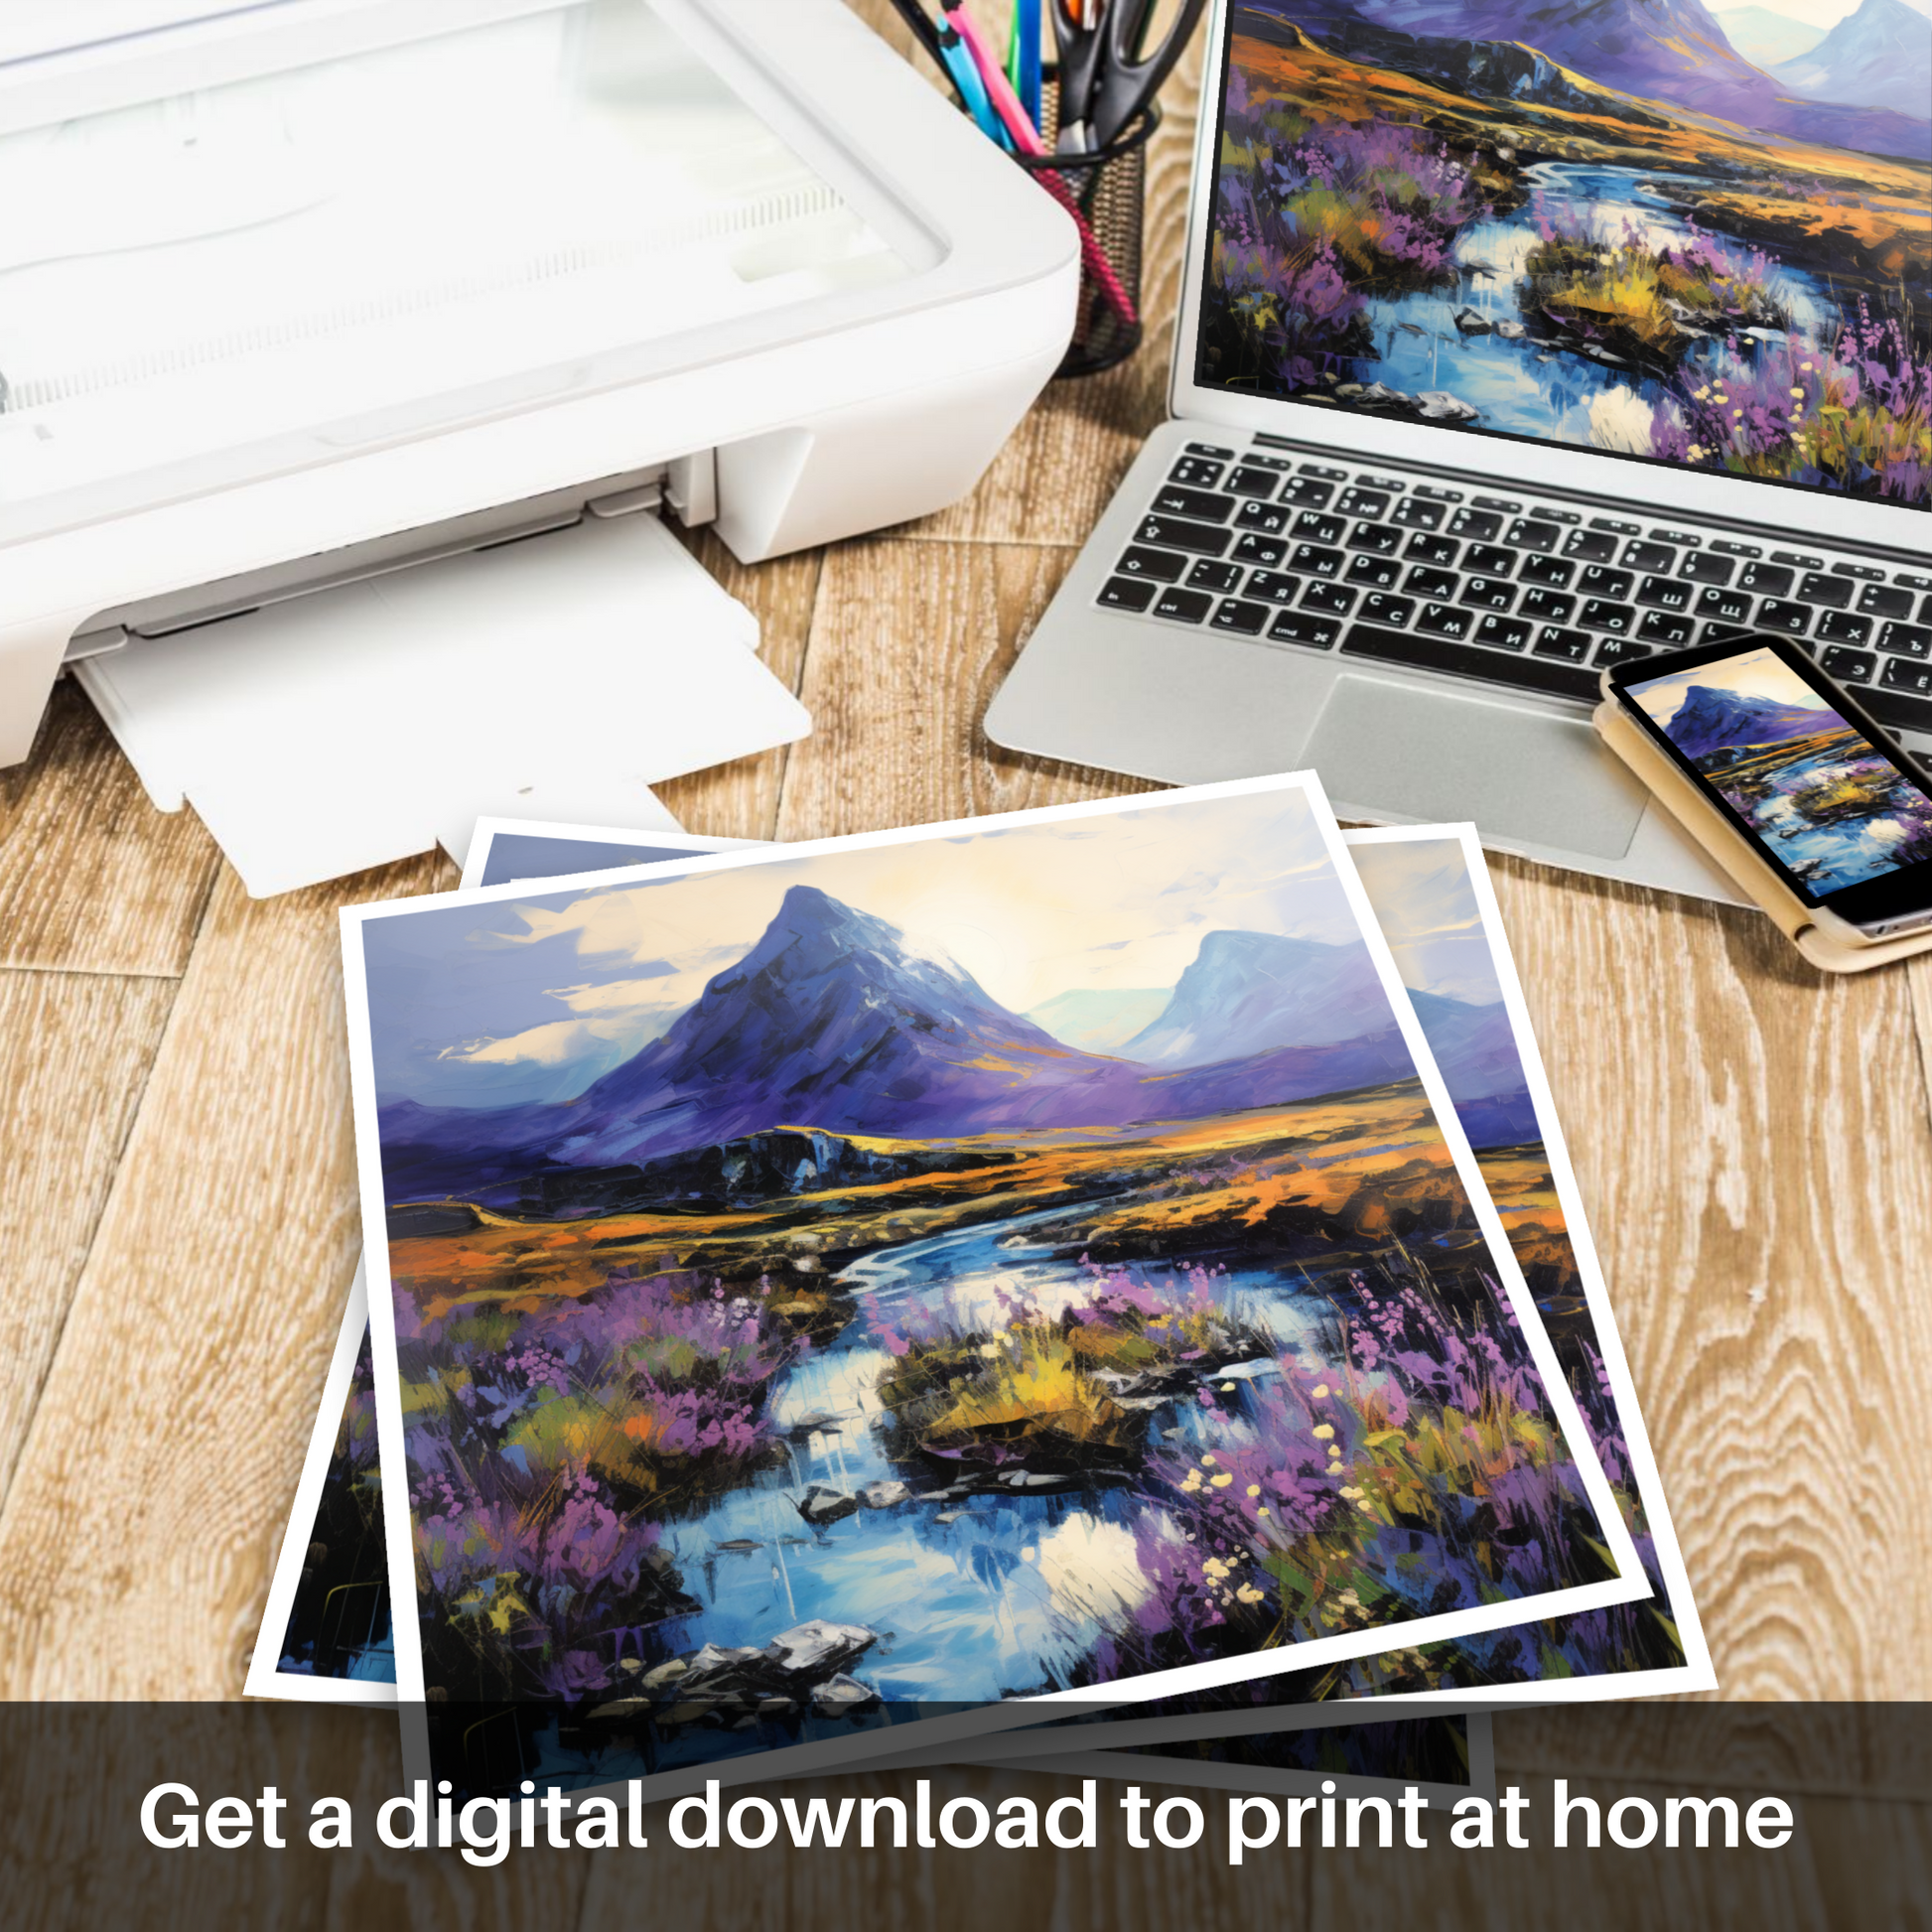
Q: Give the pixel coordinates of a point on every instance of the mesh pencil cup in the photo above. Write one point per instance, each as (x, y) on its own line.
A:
(1105, 191)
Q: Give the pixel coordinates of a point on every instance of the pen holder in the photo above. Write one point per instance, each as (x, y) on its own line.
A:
(1105, 191)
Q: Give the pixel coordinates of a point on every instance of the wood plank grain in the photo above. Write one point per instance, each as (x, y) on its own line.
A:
(92, 879)
(739, 800)
(1849, 1864)
(1752, 1141)
(74, 1055)
(154, 1483)
(1107, 1890)
(910, 641)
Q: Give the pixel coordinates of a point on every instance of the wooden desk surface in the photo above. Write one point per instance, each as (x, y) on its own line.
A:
(178, 1212)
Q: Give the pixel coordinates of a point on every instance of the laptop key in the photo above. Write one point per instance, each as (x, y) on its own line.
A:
(1662, 627)
(1317, 528)
(1128, 593)
(1308, 493)
(1724, 607)
(1487, 595)
(1417, 513)
(1299, 628)
(1436, 654)
(1664, 594)
(1906, 639)
(1162, 565)
(1173, 500)
(1432, 583)
(1621, 650)
(1362, 502)
(1847, 666)
(1589, 546)
(1843, 628)
(1196, 472)
(1379, 573)
(1330, 598)
(1640, 554)
(1879, 600)
(1599, 582)
(1183, 607)
(1490, 560)
(1700, 567)
(1772, 580)
(1314, 561)
(1546, 607)
(1479, 524)
(1383, 540)
(1901, 674)
(1553, 572)
(1834, 592)
(1599, 613)
(1269, 519)
(1234, 614)
(1209, 574)
(1445, 620)
(1527, 533)
(1211, 448)
(1176, 533)
(1250, 548)
(1378, 609)
(1247, 481)
(1778, 614)
(1503, 634)
(1425, 549)
(1275, 586)
(1553, 640)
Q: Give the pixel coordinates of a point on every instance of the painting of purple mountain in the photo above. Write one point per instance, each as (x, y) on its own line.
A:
(1819, 796)
(856, 1344)
(1604, 222)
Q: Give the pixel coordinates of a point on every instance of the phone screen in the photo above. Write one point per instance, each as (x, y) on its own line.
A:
(1832, 809)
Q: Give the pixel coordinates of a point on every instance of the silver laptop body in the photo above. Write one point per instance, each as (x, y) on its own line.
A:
(1259, 594)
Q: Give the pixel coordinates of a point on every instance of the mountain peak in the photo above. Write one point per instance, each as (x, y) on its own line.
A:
(1713, 718)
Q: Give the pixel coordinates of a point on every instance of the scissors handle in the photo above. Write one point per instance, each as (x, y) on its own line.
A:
(1081, 50)
(1128, 79)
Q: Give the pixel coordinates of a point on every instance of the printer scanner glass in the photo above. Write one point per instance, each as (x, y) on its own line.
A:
(204, 288)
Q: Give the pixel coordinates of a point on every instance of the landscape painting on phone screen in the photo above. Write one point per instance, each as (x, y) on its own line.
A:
(1832, 809)
(1703, 236)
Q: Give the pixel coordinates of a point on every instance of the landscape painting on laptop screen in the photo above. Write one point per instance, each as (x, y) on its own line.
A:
(1643, 226)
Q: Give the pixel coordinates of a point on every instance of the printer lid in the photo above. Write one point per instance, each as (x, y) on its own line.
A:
(243, 238)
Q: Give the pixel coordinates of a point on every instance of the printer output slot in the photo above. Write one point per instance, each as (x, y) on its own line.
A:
(687, 485)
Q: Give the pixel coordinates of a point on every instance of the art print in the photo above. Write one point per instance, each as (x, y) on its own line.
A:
(977, 1373)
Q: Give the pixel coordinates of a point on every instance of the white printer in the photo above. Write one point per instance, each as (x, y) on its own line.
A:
(310, 308)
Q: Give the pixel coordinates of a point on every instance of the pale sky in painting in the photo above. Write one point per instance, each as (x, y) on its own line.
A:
(1753, 674)
(534, 997)
(1427, 908)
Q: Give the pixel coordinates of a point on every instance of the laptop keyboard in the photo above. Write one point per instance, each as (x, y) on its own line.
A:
(1521, 592)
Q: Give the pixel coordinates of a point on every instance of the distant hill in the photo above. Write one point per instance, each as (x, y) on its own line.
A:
(1881, 57)
(1672, 52)
(1764, 37)
(834, 1021)
(1713, 720)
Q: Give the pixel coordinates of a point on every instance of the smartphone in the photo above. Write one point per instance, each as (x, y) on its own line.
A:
(1838, 808)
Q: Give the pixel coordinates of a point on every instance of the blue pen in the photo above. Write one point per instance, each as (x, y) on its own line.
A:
(972, 89)
(1026, 82)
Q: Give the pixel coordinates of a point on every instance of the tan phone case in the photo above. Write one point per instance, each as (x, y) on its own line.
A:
(1736, 854)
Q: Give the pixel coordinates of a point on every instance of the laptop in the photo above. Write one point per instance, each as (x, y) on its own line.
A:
(1512, 348)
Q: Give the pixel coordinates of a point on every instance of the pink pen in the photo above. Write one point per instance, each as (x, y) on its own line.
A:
(1025, 138)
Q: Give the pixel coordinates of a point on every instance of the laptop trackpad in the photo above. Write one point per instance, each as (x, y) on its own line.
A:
(1385, 746)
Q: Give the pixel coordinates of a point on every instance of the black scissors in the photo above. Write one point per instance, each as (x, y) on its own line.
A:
(1107, 75)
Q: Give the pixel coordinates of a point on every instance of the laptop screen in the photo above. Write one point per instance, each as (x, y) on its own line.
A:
(1702, 238)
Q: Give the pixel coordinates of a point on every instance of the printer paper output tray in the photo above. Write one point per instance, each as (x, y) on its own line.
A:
(556, 677)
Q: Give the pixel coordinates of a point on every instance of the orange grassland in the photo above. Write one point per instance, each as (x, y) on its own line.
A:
(1347, 1164)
